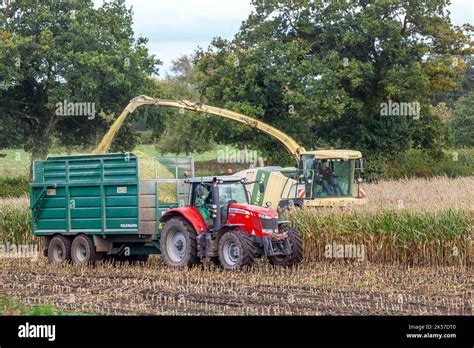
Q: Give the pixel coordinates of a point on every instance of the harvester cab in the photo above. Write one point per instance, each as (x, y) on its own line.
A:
(331, 173)
(220, 224)
(323, 178)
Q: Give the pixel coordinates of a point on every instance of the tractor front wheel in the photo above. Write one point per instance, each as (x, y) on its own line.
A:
(236, 250)
(178, 243)
(296, 255)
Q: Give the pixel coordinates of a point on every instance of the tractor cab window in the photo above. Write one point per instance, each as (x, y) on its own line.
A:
(203, 203)
(334, 178)
(205, 198)
(232, 192)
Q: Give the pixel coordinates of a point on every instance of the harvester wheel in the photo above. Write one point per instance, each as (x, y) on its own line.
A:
(83, 250)
(236, 250)
(178, 243)
(59, 249)
(296, 255)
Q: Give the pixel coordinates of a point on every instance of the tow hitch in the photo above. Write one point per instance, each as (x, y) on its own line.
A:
(276, 247)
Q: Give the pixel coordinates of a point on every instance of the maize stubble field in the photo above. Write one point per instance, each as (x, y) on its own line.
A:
(416, 237)
(323, 288)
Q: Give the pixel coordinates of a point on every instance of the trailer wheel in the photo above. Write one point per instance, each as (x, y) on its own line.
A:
(296, 255)
(236, 250)
(178, 243)
(59, 249)
(83, 250)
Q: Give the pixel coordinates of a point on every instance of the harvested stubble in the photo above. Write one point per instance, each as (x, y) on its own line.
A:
(408, 237)
(311, 289)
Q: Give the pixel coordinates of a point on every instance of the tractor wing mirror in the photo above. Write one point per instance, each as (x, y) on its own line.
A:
(261, 187)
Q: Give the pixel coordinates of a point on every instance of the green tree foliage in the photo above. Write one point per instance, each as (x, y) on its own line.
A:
(55, 51)
(184, 78)
(466, 82)
(443, 111)
(179, 85)
(184, 133)
(462, 122)
(320, 71)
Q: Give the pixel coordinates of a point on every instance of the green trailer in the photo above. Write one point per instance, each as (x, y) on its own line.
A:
(87, 207)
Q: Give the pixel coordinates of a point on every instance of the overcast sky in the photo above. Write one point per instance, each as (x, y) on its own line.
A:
(176, 27)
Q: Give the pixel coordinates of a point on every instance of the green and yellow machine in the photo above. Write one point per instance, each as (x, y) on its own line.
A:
(322, 178)
(306, 186)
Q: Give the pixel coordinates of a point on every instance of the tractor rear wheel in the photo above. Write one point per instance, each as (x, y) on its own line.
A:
(236, 250)
(83, 250)
(59, 249)
(296, 255)
(178, 243)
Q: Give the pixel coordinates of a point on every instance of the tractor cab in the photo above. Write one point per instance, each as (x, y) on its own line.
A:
(215, 197)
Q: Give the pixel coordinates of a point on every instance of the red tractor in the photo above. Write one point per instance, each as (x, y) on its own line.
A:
(220, 224)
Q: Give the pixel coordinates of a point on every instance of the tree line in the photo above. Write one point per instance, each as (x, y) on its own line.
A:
(320, 71)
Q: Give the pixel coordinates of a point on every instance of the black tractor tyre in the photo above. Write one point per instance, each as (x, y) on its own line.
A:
(236, 250)
(178, 243)
(83, 250)
(59, 249)
(296, 255)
